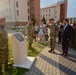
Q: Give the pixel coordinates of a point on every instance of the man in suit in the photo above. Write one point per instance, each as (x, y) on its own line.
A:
(66, 36)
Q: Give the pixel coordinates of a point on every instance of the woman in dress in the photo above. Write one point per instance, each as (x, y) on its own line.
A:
(41, 27)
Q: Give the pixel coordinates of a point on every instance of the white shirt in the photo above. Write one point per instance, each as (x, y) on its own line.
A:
(64, 27)
(36, 28)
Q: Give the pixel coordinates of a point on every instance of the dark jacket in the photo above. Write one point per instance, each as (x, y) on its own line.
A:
(67, 34)
(60, 30)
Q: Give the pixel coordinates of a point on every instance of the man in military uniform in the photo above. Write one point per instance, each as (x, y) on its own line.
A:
(30, 33)
(53, 34)
(3, 46)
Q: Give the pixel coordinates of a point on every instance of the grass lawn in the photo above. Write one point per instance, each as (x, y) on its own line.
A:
(37, 48)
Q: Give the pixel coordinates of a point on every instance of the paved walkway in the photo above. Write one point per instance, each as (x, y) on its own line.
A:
(54, 64)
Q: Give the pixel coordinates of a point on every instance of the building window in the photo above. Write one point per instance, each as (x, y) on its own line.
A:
(28, 18)
(9, 9)
(17, 12)
(46, 14)
(43, 15)
(10, 17)
(49, 15)
(9, 1)
(55, 17)
(17, 4)
(6, 2)
(7, 17)
(28, 3)
(46, 10)
(49, 10)
(28, 10)
(55, 12)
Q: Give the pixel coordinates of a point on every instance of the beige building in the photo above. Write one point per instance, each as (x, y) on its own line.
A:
(56, 11)
(51, 12)
(15, 11)
(18, 12)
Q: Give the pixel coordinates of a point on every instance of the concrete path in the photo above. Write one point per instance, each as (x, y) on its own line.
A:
(53, 63)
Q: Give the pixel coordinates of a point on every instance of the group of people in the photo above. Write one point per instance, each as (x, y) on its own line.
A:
(64, 32)
(73, 32)
(40, 32)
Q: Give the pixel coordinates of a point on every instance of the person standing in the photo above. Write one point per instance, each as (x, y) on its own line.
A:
(41, 33)
(46, 33)
(75, 35)
(4, 51)
(70, 23)
(44, 25)
(36, 30)
(74, 38)
(53, 34)
(66, 36)
(30, 33)
(60, 32)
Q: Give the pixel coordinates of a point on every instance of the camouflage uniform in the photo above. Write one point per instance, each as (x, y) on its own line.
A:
(30, 34)
(3, 48)
(53, 36)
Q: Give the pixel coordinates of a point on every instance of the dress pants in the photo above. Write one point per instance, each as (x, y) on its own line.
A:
(65, 44)
(52, 43)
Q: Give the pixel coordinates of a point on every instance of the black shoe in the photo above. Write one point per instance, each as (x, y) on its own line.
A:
(50, 51)
(65, 54)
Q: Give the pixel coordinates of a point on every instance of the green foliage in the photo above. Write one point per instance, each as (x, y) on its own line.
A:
(37, 48)
(43, 20)
(34, 21)
(3, 70)
(14, 71)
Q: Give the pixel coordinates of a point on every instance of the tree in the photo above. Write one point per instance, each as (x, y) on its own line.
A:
(34, 20)
(43, 20)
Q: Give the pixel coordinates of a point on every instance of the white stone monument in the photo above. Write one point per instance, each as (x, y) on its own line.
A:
(20, 51)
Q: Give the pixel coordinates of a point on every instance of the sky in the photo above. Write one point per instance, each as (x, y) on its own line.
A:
(71, 6)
